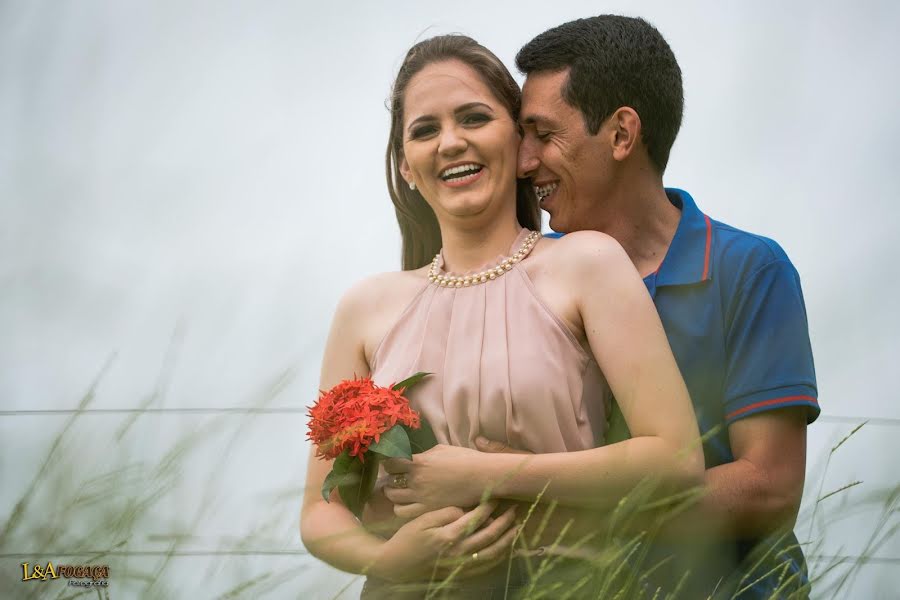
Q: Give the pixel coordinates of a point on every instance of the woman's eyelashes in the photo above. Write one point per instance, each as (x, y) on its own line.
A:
(470, 120)
(476, 119)
(422, 131)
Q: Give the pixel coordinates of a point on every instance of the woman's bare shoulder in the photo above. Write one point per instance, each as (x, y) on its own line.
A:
(580, 250)
(383, 290)
(379, 299)
(373, 305)
(590, 242)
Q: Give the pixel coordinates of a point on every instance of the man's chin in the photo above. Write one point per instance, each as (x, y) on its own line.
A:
(558, 225)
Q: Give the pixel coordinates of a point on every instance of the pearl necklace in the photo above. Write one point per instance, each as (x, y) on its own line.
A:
(450, 280)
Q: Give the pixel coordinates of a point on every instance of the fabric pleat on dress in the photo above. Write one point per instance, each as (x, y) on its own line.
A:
(503, 366)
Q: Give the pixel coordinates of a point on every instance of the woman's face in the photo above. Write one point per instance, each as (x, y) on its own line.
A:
(459, 142)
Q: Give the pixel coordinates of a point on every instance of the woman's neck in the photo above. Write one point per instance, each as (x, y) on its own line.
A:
(469, 248)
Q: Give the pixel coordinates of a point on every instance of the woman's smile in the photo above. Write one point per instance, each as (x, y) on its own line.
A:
(460, 145)
(461, 175)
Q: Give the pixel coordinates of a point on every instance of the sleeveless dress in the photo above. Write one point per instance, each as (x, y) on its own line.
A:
(505, 367)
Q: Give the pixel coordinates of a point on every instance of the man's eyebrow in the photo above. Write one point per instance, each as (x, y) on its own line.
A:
(458, 110)
(533, 120)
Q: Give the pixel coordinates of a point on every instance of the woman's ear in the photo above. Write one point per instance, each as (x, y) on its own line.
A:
(626, 124)
(405, 172)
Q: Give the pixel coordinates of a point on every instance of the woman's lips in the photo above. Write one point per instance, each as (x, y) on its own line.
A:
(457, 182)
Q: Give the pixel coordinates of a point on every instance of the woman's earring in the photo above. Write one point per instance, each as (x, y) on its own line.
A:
(412, 185)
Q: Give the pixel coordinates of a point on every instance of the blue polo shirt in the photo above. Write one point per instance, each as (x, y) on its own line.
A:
(732, 307)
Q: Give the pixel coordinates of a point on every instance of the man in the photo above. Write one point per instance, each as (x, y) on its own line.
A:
(601, 108)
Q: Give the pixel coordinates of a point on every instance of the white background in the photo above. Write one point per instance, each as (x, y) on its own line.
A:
(190, 187)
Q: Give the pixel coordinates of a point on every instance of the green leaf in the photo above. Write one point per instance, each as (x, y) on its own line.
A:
(410, 381)
(344, 462)
(335, 479)
(353, 479)
(421, 439)
(346, 471)
(356, 494)
(394, 443)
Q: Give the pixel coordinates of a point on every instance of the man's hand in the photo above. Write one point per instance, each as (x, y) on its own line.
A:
(494, 447)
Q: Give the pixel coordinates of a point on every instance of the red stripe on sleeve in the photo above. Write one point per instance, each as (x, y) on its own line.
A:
(771, 402)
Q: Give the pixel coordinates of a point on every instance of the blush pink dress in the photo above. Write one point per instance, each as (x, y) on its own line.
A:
(503, 366)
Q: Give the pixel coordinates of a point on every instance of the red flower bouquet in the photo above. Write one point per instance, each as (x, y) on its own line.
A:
(355, 423)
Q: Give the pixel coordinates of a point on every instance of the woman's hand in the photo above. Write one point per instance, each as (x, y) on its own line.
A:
(378, 514)
(445, 540)
(442, 476)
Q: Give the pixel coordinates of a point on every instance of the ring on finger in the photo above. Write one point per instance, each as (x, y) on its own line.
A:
(400, 481)
(474, 556)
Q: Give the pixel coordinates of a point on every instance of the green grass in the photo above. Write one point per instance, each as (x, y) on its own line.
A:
(112, 503)
(90, 503)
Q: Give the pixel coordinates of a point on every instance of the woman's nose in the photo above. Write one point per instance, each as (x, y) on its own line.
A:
(452, 143)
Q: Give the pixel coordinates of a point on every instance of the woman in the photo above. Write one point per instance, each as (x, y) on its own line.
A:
(522, 334)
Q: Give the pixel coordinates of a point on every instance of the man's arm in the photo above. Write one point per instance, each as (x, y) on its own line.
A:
(760, 491)
(757, 494)
(769, 397)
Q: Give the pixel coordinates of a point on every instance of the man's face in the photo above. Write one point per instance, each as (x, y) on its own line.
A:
(569, 168)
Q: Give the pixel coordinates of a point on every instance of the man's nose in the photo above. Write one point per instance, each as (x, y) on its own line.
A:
(528, 160)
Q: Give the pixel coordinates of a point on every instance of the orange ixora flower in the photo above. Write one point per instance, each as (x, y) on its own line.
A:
(353, 414)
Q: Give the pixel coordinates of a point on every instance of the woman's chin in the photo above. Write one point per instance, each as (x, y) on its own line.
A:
(468, 208)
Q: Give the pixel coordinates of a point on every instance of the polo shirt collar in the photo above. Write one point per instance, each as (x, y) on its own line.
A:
(688, 259)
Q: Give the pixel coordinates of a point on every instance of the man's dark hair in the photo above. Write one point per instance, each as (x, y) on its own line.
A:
(614, 61)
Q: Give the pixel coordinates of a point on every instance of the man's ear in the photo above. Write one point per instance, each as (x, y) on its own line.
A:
(626, 132)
